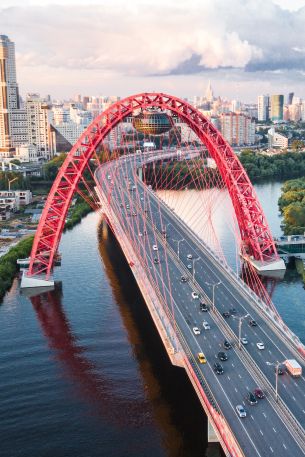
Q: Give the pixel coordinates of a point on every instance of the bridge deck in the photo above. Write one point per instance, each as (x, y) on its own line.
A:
(270, 428)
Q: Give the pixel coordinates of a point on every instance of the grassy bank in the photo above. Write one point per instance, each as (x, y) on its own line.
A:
(8, 265)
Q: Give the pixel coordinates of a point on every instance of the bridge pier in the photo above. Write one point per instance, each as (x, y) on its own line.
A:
(35, 281)
(212, 437)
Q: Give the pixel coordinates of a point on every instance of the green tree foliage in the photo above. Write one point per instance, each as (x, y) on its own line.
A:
(51, 168)
(8, 265)
(292, 206)
(281, 166)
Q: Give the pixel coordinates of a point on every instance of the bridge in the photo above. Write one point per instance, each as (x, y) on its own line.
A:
(185, 281)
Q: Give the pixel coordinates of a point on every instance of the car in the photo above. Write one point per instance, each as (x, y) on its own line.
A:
(226, 314)
(252, 323)
(189, 266)
(156, 260)
(227, 345)
(218, 368)
(155, 247)
(241, 411)
(260, 346)
(127, 206)
(244, 341)
(259, 393)
(204, 307)
(280, 369)
(206, 325)
(195, 296)
(189, 256)
(201, 357)
(251, 399)
(222, 356)
(134, 213)
(140, 234)
(183, 279)
(142, 198)
(233, 311)
(144, 232)
(196, 330)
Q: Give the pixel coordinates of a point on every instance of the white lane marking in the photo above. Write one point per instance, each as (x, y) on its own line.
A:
(264, 414)
(239, 376)
(229, 378)
(235, 389)
(261, 432)
(233, 365)
(274, 429)
(284, 446)
(251, 417)
(271, 449)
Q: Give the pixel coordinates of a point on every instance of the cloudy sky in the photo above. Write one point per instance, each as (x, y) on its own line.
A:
(244, 47)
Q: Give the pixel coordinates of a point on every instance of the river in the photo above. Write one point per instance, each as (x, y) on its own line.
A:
(83, 372)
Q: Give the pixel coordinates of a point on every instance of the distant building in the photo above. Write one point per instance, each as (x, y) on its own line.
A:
(38, 122)
(15, 198)
(276, 140)
(290, 98)
(238, 129)
(27, 153)
(209, 93)
(277, 108)
(12, 125)
(263, 108)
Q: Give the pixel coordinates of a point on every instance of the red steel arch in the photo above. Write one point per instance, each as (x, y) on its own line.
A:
(253, 226)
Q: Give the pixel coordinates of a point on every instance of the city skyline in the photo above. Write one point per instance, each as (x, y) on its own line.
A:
(101, 50)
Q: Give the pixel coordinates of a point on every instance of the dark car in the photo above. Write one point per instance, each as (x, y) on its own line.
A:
(183, 279)
(259, 393)
(226, 314)
(233, 311)
(222, 356)
(252, 323)
(251, 399)
(156, 260)
(280, 370)
(204, 307)
(218, 368)
(227, 345)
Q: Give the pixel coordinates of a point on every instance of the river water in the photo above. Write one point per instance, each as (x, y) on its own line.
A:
(82, 369)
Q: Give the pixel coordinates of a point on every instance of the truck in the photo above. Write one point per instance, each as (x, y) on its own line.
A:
(293, 368)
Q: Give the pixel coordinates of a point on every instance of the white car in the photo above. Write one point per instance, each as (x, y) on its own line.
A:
(189, 266)
(196, 330)
(244, 341)
(206, 325)
(195, 295)
(155, 247)
(140, 234)
(189, 256)
(260, 346)
(241, 411)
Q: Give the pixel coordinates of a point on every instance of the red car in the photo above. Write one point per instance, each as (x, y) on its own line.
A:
(259, 393)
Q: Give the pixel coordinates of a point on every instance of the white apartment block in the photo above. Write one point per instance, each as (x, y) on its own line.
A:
(15, 198)
(27, 153)
(38, 126)
(263, 108)
(276, 140)
(71, 131)
(238, 129)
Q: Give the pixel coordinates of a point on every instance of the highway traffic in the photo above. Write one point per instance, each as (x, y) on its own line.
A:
(187, 276)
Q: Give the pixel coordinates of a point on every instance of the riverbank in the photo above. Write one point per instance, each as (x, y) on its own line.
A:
(8, 263)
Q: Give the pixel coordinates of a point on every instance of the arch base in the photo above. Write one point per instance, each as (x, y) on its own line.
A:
(35, 281)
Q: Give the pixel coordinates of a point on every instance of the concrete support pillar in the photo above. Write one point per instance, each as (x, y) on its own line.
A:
(212, 437)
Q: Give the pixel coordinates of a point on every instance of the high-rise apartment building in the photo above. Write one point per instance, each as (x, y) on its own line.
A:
(9, 95)
(277, 107)
(38, 125)
(238, 129)
(263, 108)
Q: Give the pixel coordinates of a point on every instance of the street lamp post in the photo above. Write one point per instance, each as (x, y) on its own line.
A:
(213, 285)
(178, 242)
(10, 181)
(276, 365)
(241, 318)
(194, 260)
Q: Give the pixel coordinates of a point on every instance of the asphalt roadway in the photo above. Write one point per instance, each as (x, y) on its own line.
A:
(270, 428)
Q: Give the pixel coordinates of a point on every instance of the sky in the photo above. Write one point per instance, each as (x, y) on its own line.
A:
(120, 47)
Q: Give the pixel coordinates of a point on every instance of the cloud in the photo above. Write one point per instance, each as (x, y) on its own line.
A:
(141, 38)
